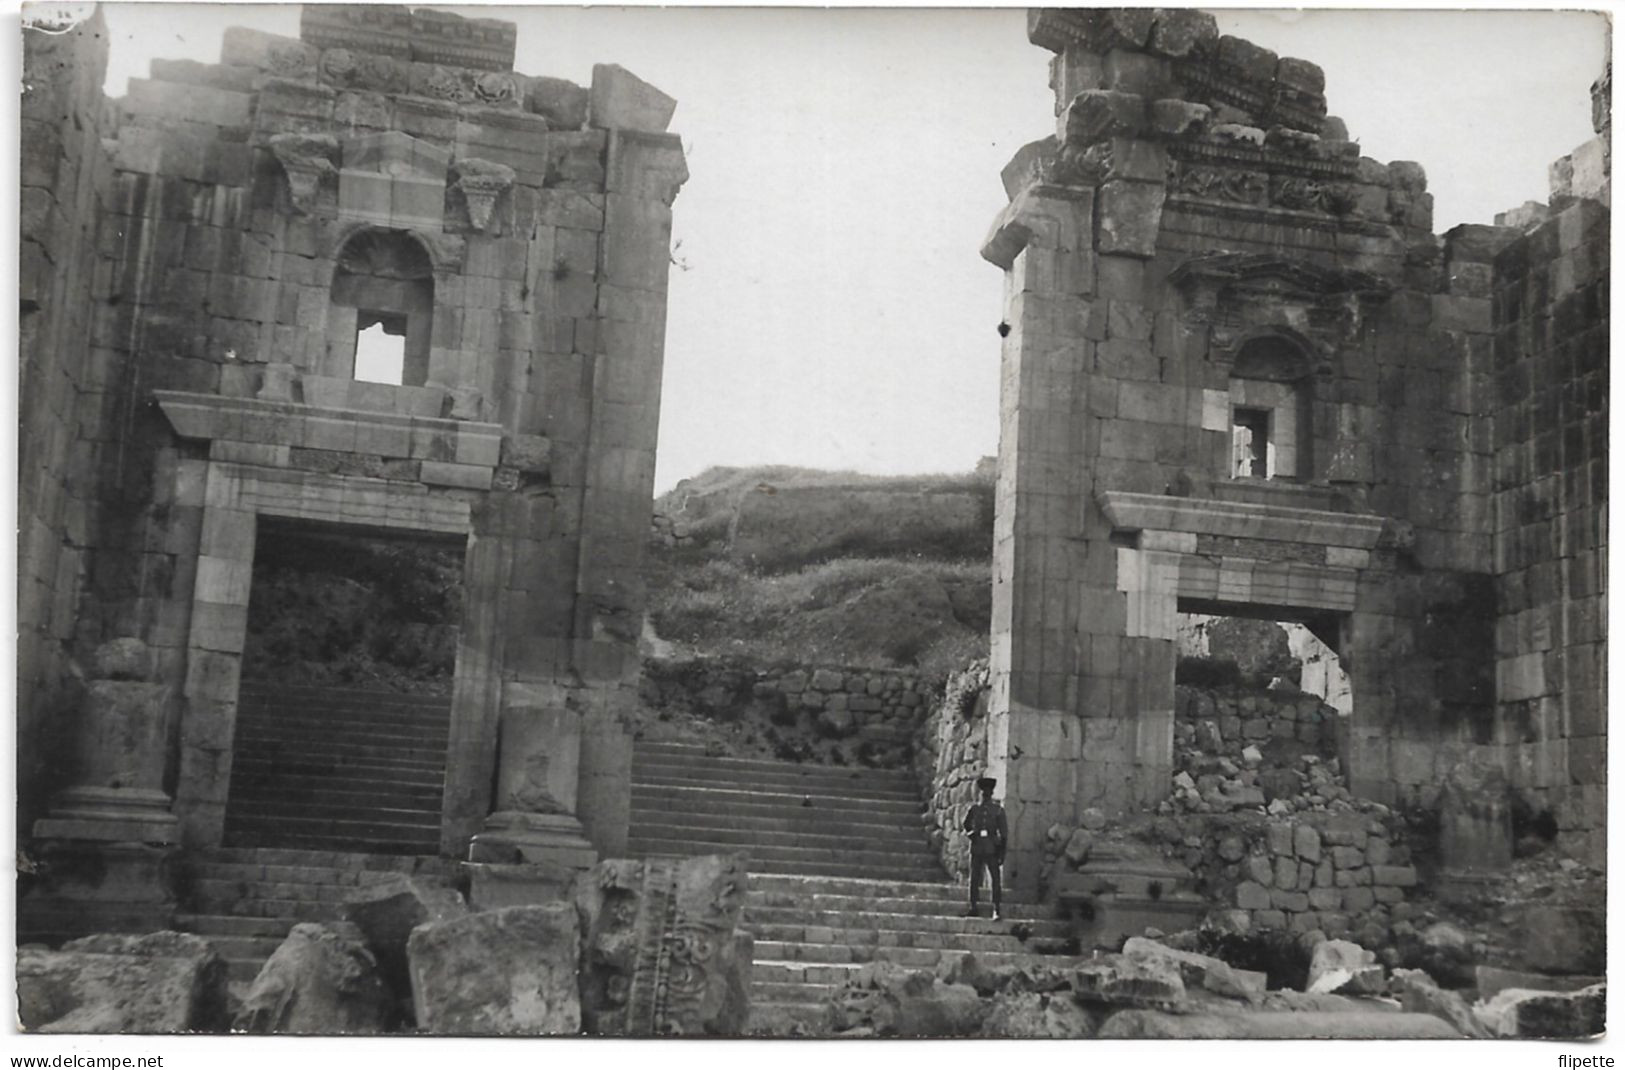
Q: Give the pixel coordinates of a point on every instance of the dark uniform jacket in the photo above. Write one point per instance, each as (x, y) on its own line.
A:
(988, 829)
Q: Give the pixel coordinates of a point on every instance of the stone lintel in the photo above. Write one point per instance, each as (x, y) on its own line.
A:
(212, 418)
(1277, 523)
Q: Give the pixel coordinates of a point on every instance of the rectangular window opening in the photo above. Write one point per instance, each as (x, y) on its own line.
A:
(1250, 444)
(380, 347)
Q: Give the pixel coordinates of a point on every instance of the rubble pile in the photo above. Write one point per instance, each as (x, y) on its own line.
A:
(1240, 748)
(1158, 988)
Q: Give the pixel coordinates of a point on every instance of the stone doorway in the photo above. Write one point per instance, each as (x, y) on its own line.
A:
(1262, 707)
(349, 658)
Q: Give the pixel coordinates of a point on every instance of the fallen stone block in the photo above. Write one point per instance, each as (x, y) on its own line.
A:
(1344, 966)
(887, 1000)
(1007, 978)
(508, 972)
(320, 982)
(1200, 971)
(1418, 994)
(387, 912)
(164, 982)
(1134, 982)
(1040, 1015)
(1491, 979)
(1274, 1025)
(1522, 1012)
(663, 953)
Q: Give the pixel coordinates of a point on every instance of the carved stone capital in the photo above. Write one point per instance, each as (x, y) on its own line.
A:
(481, 183)
(306, 159)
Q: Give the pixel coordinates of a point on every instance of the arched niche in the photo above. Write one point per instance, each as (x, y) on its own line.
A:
(383, 283)
(1271, 409)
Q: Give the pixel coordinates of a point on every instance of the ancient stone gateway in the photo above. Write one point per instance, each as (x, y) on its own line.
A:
(201, 259)
(1241, 375)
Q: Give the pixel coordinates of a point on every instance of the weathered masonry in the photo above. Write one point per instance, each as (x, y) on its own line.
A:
(1241, 375)
(199, 261)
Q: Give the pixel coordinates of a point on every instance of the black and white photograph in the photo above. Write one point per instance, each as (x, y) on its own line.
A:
(779, 523)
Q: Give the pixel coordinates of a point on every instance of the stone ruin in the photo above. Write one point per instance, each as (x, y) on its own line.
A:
(200, 261)
(1243, 377)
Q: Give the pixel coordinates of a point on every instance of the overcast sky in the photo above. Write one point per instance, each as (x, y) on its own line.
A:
(830, 308)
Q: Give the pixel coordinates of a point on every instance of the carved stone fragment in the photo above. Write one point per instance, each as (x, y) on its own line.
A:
(663, 952)
(306, 159)
(481, 183)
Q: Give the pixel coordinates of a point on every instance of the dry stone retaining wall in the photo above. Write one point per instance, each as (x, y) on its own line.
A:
(950, 754)
(813, 713)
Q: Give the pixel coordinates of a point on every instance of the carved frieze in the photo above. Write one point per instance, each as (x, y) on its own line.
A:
(1308, 195)
(1218, 183)
(370, 71)
(663, 951)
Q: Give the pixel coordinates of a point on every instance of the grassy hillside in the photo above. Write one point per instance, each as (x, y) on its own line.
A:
(889, 582)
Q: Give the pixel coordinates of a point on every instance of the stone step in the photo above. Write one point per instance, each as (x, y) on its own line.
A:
(286, 910)
(331, 859)
(852, 905)
(790, 971)
(861, 952)
(671, 757)
(233, 927)
(266, 729)
(288, 769)
(316, 747)
(789, 924)
(426, 785)
(330, 797)
(798, 821)
(248, 948)
(414, 817)
(799, 993)
(280, 874)
(758, 867)
(665, 750)
(723, 802)
(307, 695)
(882, 863)
(272, 830)
(789, 783)
(660, 826)
(227, 890)
(938, 887)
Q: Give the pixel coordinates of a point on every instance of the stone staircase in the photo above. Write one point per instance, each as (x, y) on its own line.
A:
(337, 769)
(245, 899)
(841, 874)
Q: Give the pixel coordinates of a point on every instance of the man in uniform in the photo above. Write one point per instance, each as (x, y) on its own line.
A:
(988, 831)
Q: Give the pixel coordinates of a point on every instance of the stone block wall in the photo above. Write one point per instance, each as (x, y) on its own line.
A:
(1229, 740)
(812, 713)
(1341, 873)
(64, 189)
(1200, 235)
(950, 755)
(1551, 495)
(247, 203)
